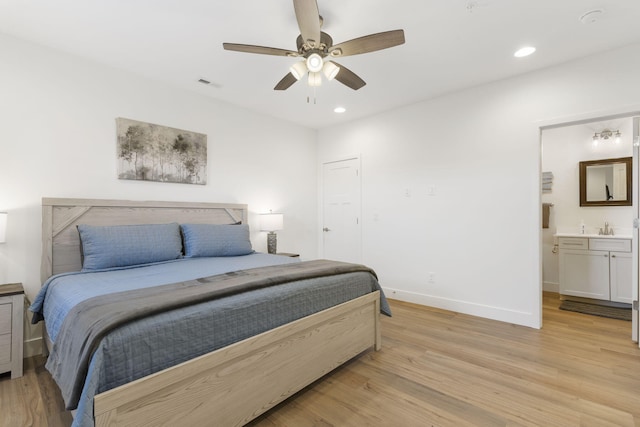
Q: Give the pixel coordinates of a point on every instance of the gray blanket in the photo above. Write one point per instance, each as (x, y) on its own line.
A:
(90, 321)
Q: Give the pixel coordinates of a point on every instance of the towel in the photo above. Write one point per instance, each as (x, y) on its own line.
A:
(546, 212)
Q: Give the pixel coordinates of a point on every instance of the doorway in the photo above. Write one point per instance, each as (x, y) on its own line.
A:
(563, 147)
(341, 224)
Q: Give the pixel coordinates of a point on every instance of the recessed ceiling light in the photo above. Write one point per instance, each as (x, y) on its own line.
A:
(339, 110)
(525, 51)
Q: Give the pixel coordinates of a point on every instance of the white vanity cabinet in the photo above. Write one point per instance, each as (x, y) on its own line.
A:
(596, 267)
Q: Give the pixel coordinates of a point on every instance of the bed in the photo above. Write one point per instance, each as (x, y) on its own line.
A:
(229, 358)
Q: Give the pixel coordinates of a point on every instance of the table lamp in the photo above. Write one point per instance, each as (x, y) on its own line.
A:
(271, 222)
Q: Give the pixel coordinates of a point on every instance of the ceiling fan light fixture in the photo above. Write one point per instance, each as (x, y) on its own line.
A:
(298, 70)
(315, 79)
(314, 63)
(330, 70)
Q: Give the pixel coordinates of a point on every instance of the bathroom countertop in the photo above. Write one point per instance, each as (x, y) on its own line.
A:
(592, 235)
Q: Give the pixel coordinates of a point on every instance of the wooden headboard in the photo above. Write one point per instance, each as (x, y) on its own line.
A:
(61, 242)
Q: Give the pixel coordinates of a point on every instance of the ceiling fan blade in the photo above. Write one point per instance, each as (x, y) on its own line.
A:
(348, 77)
(286, 82)
(249, 48)
(369, 43)
(308, 17)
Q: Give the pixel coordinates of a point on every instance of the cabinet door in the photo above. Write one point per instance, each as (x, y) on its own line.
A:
(584, 273)
(620, 271)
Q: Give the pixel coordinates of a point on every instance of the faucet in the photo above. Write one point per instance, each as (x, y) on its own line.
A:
(607, 231)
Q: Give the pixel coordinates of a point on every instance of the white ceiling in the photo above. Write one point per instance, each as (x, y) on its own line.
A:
(450, 44)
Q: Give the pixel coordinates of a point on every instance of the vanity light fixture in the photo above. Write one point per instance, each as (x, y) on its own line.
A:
(605, 135)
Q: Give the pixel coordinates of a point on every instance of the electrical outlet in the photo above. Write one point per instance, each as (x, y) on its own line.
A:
(432, 277)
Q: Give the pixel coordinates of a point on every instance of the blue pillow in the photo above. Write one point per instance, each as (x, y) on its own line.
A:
(125, 245)
(210, 240)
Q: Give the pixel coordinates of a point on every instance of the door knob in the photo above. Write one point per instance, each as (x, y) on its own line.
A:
(325, 229)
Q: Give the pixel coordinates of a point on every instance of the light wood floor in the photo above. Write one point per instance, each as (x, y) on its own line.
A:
(438, 368)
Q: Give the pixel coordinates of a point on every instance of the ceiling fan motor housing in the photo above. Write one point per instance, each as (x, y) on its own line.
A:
(323, 49)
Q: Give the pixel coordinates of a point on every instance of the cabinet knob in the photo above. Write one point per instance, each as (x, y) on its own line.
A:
(325, 229)
(613, 256)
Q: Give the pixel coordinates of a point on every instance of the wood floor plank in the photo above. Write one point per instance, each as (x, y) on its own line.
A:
(438, 368)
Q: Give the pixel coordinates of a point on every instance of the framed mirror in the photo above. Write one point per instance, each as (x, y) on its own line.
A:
(605, 182)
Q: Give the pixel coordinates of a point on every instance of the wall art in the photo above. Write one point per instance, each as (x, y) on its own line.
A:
(150, 152)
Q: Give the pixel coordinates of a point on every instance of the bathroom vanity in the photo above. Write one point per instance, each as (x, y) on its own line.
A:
(596, 267)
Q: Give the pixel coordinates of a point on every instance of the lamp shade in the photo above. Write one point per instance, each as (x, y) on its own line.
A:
(298, 70)
(315, 79)
(3, 227)
(330, 70)
(271, 221)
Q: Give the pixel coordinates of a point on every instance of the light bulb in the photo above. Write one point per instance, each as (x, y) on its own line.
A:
(314, 63)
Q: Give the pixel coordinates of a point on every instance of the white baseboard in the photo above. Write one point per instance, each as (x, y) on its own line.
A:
(551, 287)
(486, 311)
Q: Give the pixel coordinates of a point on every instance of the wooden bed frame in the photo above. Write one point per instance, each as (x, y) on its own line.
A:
(234, 384)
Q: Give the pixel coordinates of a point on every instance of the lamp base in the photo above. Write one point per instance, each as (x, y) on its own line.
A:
(272, 242)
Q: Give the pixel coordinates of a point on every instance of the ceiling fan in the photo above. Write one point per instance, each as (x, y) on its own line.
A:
(318, 50)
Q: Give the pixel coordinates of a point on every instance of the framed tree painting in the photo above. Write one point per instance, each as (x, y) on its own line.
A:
(150, 152)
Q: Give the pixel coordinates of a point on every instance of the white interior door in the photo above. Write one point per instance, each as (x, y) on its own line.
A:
(636, 214)
(341, 210)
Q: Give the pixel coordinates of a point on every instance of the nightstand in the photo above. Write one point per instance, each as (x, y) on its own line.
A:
(288, 254)
(11, 328)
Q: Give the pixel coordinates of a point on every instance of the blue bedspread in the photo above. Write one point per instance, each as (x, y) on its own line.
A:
(64, 291)
(163, 340)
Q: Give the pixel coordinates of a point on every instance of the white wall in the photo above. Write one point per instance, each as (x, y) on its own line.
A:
(57, 130)
(562, 150)
(480, 233)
